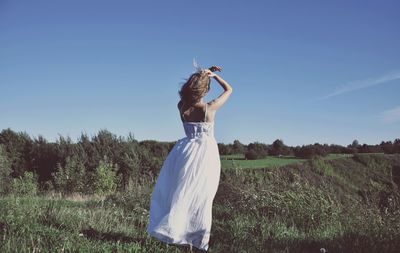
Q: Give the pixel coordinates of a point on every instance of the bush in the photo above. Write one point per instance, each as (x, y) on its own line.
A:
(105, 177)
(71, 177)
(26, 184)
(5, 171)
(310, 151)
(321, 166)
(279, 148)
(253, 154)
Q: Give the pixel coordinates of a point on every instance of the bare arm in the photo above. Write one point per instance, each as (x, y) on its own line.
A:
(216, 103)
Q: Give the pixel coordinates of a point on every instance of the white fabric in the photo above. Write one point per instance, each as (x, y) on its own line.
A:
(182, 199)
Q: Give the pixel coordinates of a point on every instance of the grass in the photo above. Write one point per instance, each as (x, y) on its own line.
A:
(238, 161)
(36, 224)
(341, 205)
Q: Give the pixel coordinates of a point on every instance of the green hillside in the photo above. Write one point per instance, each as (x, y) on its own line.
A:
(348, 204)
(238, 161)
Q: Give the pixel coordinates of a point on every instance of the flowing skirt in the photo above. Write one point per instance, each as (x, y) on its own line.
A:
(182, 199)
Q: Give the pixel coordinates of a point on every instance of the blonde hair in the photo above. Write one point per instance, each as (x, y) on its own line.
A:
(195, 87)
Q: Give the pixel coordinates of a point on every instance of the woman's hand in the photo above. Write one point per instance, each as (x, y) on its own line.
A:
(210, 71)
(215, 68)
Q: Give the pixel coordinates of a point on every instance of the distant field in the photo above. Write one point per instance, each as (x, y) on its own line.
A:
(238, 161)
(335, 156)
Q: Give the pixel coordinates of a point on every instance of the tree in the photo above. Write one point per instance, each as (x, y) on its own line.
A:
(253, 154)
(105, 177)
(396, 145)
(310, 151)
(18, 146)
(279, 148)
(256, 150)
(238, 147)
(27, 184)
(129, 162)
(71, 177)
(388, 147)
(43, 158)
(225, 149)
(5, 171)
(355, 144)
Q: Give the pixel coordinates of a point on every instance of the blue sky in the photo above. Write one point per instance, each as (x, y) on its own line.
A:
(302, 71)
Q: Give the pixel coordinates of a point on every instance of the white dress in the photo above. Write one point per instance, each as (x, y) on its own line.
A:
(182, 199)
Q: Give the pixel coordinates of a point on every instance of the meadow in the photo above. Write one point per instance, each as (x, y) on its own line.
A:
(238, 161)
(336, 204)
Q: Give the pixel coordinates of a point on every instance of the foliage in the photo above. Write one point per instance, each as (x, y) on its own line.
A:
(71, 177)
(310, 151)
(321, 166)
(104, 179)
(18, 147)
(279, 148)
(253, 154)
(256, 150)
(291, 209)
(5, 171)
(238, 147)
(27, 184)
(135, 160)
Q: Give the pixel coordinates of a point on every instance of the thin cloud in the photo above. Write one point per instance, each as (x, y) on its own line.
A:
(361, 84)
(391, 115)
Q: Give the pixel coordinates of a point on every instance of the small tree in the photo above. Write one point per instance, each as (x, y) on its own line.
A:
(279, 148)
(26, 184)
(256, 150)
(251, 155)
(5, 171)
(355, 143)
(105, 177)
(238, 147)
(70, 177)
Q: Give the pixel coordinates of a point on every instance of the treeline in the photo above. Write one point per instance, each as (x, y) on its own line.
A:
(105, 162)
(98, 165)
(259, 150)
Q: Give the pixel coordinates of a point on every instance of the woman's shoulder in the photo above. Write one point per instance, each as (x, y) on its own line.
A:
(200, 106)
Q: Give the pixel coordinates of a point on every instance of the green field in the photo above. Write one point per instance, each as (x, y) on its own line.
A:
(341, 205)
(238, 161)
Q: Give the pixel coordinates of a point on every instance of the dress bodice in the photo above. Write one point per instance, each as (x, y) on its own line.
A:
(198, 129)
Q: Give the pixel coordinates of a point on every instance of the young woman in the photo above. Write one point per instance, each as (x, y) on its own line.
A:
(182, 199)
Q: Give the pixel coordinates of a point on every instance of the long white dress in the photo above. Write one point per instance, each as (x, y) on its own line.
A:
(182, 199)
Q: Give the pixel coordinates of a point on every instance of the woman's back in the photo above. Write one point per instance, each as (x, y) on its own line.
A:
(199, 112)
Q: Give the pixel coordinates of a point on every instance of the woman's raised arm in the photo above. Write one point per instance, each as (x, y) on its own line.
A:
(221, 99)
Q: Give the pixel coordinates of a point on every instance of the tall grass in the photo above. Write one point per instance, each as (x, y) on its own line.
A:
(296, 208)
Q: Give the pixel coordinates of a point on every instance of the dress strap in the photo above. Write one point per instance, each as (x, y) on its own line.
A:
(205, 115)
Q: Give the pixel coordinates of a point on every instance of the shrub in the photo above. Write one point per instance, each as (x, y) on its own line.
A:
(70, 177)
(310, 151)
(5, 171)
(254, 154)
(321, 166)
(26, 184)
(105, 177)
(279, 148)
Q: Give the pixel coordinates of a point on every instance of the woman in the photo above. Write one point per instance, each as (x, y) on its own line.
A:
(181, 202)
